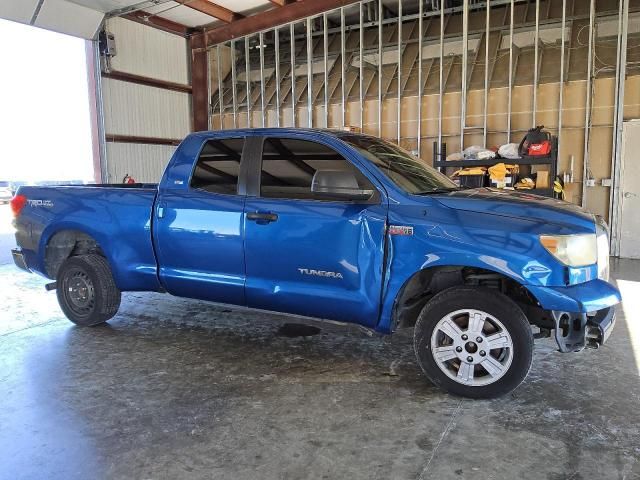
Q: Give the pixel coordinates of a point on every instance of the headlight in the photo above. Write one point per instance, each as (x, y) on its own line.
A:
(572, 250)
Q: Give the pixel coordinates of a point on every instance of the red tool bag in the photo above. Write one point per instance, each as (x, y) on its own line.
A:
(536, 143)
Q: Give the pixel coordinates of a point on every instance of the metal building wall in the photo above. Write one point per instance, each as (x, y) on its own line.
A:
(144, 162)
(142, 111)
(148, 51)
(143, 122)
(477, 73)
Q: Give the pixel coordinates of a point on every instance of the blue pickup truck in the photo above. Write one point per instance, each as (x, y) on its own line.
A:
(340, 226)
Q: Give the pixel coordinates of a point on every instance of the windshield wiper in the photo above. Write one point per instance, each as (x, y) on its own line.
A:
(438, 190)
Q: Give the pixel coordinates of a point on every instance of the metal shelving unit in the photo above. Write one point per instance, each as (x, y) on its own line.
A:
(439, 161)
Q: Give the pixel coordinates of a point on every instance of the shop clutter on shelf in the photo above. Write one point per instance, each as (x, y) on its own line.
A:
(529, 165)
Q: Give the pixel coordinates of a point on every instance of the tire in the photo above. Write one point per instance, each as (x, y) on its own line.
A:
(493, 358)
(86, 291)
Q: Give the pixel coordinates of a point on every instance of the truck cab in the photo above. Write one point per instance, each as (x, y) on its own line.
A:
(340, 226)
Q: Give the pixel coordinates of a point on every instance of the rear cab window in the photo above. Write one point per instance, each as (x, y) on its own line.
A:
(218, 167)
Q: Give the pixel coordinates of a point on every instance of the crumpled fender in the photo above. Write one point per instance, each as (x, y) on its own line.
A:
(582, 298)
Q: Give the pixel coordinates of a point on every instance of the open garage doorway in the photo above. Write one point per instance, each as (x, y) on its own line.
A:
(46, 133)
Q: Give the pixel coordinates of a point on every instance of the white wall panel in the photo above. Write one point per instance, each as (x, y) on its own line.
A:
(18, 10)
(149, 52)
(182, 14)
(67, 17)
(138, 110)
(145, 163)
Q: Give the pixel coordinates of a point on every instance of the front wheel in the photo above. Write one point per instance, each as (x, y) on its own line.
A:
(86, 291)
(474, 342)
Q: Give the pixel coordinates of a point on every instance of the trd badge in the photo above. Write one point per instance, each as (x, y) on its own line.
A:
(400, 230)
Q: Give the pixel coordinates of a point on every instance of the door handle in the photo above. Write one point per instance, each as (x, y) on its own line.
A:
(262, 217)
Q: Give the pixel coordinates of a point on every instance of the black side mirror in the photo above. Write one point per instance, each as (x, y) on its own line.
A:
(338, 184)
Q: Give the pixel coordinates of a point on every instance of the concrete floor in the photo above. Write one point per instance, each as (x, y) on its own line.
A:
(174, 388)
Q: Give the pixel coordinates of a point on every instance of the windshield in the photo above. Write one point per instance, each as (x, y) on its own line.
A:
(402, 168)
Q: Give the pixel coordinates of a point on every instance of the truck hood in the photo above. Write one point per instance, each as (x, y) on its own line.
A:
(523, 205)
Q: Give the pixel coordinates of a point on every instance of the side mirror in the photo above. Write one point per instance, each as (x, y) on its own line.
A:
(338, 184)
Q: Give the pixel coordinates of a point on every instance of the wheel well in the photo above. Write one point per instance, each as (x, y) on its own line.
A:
(423, 285)
(65, 244)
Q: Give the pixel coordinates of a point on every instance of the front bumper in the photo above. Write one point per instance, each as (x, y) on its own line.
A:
(582, 315)
(575, 331)
(19, 260)
(584, 297)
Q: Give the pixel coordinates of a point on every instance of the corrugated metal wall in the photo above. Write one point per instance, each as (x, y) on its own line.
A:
(144, 162)
(134, 110)
(143, 111)
(149, 52)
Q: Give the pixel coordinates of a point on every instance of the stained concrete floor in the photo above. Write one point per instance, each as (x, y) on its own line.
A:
(174, 388)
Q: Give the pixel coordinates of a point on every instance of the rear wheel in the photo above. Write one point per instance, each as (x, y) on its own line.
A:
(473, 342)
(86, 291)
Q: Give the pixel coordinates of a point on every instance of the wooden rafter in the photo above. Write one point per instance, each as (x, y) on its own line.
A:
(145, 18)
(212, 9)
(272, 18)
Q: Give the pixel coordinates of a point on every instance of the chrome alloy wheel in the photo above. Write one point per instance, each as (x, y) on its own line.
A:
(471, 347)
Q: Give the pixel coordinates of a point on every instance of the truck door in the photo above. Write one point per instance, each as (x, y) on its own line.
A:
(306, 254)
(199, 229)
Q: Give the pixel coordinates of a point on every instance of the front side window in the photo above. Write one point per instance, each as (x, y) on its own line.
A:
(402, 168)
(289, 166)
(218, 166)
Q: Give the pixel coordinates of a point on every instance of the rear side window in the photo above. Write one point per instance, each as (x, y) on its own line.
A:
(218, 166)
(288, 166)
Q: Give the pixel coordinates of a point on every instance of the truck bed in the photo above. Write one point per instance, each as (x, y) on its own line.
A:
(107, 213)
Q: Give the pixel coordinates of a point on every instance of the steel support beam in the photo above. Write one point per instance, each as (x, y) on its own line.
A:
(399, 93)
(234, 88)
(220, 92)
(199, 87)
(561, 93)
(487, 37)
(293, 73)
(277, 60)
(587, 109)
(615, 194)
(510, 88)
(262, 93)
(535, 64)
(465, 60)
(380, 15)
(441, 79)
(325, 58)
(361, 53)
(309, 75)
(148, 81)
(342, 68)
(419, 110)
(113, 138)
(247, 71)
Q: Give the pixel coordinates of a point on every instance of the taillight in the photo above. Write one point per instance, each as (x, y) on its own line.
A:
(17, 204)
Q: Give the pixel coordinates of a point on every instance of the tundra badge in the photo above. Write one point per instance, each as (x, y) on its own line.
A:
(319, 273)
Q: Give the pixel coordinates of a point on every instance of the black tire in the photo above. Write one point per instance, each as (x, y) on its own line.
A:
(498, 306)
(86, 291)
